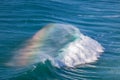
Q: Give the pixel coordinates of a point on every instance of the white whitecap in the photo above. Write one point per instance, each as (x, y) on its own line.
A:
(83, 50)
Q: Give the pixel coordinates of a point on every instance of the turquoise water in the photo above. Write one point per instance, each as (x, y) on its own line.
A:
(100, 20)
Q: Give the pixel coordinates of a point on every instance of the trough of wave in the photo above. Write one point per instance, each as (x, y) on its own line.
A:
(62, 44)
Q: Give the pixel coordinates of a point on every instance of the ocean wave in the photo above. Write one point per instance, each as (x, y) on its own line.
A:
(62, 44)
(103, 16)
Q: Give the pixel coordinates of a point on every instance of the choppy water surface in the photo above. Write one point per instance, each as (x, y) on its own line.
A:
(20, 20)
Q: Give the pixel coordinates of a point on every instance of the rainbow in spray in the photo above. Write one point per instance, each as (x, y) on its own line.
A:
(62, 44)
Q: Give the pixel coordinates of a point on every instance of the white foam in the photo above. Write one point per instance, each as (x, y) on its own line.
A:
(81, 51)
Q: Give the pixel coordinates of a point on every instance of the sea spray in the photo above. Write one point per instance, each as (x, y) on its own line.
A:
(62, 44)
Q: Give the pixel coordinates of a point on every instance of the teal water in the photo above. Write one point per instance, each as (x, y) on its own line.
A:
(100, 20)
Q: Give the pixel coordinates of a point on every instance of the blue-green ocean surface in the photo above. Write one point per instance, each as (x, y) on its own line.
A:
(98, 19)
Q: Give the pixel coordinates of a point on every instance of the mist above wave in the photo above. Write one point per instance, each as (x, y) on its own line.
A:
(62, 44)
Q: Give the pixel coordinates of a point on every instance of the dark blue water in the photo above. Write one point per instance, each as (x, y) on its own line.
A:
(99, 19)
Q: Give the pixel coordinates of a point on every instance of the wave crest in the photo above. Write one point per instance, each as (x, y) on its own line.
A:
(62, 44)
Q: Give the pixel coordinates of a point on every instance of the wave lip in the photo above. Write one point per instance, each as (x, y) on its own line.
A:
(62, 44)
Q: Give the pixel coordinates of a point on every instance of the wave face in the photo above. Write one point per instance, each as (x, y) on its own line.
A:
(62, 44)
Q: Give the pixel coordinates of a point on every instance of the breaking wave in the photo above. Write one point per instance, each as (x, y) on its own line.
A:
(62, 44)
